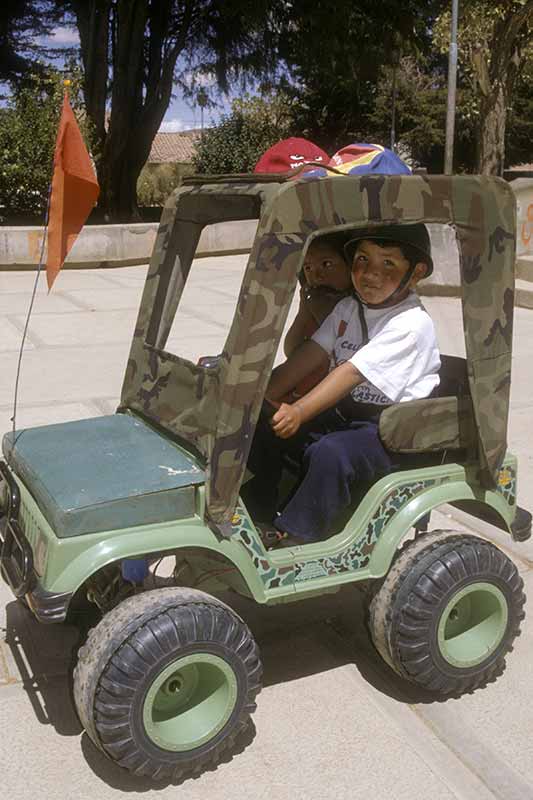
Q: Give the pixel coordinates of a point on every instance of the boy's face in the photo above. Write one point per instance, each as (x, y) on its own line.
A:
(325, 266)
(377, 272)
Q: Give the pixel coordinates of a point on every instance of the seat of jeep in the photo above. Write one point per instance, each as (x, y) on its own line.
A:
(104, 473)
(440, 423)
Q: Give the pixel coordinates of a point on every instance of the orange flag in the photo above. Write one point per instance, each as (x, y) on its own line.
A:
(74, 191)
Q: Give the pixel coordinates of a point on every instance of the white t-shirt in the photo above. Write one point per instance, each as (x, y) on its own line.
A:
(400, 360)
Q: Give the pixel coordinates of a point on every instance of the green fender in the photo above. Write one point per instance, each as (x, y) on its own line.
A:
(426, 501)
(73, 561)
(63, 565)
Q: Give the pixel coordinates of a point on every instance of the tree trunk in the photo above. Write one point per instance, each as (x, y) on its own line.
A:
(92, 19)
(491, 132)
(495, 69)
(135, 37)
(132, 46)
(120, 170)
(117, 168)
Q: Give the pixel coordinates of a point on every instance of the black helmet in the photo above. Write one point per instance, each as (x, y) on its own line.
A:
(416, 236)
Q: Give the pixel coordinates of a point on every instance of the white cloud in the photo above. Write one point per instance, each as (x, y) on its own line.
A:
(64, 36)
(172, 126)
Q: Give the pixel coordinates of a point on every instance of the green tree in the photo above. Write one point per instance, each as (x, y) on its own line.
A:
(335, 56)
(22, 23)
(157, 182)
(492, 42)
(421, 114)
(238, 141)
(130, 51)
(28, 130)
(519, 127)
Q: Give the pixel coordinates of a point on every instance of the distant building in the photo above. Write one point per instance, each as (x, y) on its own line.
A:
(174, 148)
(518, 171)
(170, 160)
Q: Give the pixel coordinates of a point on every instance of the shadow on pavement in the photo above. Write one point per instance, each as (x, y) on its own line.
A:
(314, 635)
(296, 640)
(43, 655)
(119, 778)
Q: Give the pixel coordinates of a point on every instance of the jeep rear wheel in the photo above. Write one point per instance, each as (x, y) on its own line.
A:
(166, 682)
(448, 612)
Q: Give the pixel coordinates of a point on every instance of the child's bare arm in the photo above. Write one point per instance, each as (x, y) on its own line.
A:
(308, 357)
(287, 420)
(298, 332)
(302, 327)
(315, 305)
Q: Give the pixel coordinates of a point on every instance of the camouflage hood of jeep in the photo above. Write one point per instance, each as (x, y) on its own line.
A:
(215, 410)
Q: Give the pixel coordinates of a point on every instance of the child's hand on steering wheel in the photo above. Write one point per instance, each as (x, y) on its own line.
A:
(287, 420)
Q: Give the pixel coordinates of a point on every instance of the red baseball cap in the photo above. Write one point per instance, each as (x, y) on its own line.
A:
(290, 154)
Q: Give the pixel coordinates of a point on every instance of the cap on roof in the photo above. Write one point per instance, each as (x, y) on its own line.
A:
(360, 159)
(290, 154)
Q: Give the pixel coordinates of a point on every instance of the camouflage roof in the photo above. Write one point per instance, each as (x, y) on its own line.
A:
(215, 409)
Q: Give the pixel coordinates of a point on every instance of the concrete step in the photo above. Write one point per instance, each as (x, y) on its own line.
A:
(524, 268)
(524, 293)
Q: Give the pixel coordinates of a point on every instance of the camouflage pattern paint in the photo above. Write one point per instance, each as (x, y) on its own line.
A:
(421, 426)
(507, 485)
(272, 576)
(357, 555)
(215, 409)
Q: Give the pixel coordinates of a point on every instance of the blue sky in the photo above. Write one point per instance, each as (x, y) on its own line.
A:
(180, 115)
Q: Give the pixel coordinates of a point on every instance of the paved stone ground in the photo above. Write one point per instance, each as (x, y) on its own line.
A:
(332, 721)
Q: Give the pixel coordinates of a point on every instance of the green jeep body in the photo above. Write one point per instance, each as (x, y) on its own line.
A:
(206, 416)
(114, 511)
(162, 476)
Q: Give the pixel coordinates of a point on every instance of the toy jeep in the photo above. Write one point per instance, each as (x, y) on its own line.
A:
(169, 676)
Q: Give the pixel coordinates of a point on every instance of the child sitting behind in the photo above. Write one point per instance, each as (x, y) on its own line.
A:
(380, 348)
(325, 280)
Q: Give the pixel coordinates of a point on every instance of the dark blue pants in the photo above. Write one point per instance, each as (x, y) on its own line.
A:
(335, 456)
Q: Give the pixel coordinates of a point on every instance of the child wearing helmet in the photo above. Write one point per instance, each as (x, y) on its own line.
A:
(325, 277)
(380, 348)
(326, 274)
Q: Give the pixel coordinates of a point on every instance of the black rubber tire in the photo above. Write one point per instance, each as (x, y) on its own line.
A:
(404, 613)
(126, 652)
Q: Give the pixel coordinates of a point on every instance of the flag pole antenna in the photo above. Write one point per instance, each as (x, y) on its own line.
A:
(30, 309)
(66, 84)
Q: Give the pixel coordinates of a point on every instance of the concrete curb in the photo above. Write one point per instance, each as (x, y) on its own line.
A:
(100, 246)
(132, 244)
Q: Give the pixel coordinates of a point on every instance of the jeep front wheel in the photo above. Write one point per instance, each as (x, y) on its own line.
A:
(448, 612)
(166, 681)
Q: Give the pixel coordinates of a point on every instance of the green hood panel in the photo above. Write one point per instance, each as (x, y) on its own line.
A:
(102, 474)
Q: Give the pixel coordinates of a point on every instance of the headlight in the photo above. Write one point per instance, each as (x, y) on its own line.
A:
(36, 539)
(39, 553)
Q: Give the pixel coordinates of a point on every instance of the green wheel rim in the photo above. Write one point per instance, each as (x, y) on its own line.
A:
(189, 702)
(472, 625)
